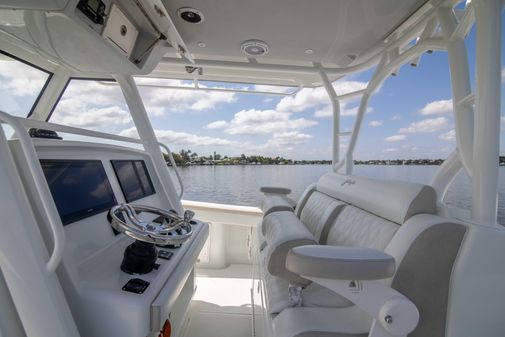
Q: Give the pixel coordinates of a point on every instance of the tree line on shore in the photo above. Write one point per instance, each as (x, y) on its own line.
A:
(187, 157)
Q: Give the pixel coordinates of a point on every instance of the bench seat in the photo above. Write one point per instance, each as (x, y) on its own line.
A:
(339, 211)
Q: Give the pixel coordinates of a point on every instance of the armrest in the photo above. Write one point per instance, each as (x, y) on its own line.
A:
(275, 190)
(276, 203)
(354, 273)
(340, 263)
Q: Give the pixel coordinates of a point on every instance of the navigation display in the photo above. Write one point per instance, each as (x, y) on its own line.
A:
(133, 178)
(80, 188)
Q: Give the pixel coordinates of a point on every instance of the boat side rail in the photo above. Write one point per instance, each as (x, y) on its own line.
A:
(32, 123)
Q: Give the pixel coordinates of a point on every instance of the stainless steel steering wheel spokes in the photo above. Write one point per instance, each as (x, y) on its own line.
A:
(167, 228)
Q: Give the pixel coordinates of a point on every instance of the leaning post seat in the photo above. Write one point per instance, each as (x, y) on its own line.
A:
(340, 211)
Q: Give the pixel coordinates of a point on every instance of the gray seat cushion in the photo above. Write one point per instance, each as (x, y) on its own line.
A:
(340, 263)
(284, 232)
(276, 203)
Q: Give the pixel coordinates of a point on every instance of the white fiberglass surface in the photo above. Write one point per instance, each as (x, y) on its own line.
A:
(222, 303)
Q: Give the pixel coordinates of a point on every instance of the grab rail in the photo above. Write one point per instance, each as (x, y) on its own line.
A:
(172, 161)
(42, 188)
(97, 134)
(32, 123)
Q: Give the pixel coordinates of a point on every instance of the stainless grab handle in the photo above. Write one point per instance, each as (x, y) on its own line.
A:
(172, 161)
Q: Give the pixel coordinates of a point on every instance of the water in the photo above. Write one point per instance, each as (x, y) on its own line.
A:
(239, 185)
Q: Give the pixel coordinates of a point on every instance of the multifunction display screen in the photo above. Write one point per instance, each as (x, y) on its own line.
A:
(133, 178)
(80, 188)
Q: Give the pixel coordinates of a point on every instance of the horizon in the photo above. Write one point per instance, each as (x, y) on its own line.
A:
(226, 156)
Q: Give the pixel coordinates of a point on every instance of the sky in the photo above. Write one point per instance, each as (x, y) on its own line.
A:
(409, 117)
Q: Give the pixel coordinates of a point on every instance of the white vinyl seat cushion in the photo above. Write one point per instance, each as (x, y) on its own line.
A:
(357, 228)
(319, 211)
(286, 231)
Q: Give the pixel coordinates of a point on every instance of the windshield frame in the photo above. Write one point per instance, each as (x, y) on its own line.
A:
(44, 87)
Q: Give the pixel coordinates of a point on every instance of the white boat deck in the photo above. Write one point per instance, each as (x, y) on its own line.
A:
(222, 305)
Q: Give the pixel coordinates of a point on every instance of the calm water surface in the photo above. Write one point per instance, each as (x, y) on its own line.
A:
(239, 185)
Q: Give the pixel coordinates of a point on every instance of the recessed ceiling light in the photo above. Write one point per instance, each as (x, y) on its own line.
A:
(254, 48)
(190, 15)
(309, 51)
(201, 44)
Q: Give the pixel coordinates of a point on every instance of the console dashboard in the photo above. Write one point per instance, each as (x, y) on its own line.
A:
(86, 180)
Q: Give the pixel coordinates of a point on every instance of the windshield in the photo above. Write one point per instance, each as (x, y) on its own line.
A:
(93, 104)
(21, 85)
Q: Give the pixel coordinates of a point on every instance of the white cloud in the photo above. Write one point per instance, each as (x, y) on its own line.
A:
(283, 141)
(253, 122)
(21, 79)
(288, 138)
(375, 124)
(273, 88)
(159, 101)
(344, 111)
(391, 149)
(186, 139)
(396, 118)
(308, 98)
(437, 107)
(93, 117)
(426, 125)
(395, 138)
(449, 136)
(93, 105)
(217, 125)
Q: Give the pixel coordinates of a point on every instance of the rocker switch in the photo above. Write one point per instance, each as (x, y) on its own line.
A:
(164, 254)
(136, 286)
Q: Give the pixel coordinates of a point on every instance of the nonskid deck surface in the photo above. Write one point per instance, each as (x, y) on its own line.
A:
(222, 303)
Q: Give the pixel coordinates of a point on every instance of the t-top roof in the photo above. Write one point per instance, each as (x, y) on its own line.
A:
(334, 33)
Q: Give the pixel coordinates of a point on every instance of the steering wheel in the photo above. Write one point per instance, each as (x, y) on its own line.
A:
(167, 228)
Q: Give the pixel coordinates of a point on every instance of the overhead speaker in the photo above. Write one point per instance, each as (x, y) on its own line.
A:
(254, 48)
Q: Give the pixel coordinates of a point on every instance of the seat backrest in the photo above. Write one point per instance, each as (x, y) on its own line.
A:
(319, 212)
(375, 210)
(357, 228)
(395, 201)
(303, 199)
